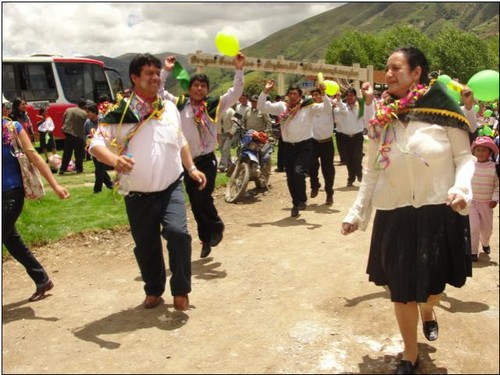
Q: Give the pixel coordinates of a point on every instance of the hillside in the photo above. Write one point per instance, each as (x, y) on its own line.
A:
(309, 40)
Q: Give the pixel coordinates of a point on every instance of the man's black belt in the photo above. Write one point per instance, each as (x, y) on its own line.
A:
(202, 157)
(299, 143)
(351, 135)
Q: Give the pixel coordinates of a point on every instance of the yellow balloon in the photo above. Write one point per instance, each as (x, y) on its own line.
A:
(332, 87)
(227, 43)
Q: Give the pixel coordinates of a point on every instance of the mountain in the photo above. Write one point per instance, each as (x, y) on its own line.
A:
(309, 39)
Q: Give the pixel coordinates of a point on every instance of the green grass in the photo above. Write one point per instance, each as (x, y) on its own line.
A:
(51, 219)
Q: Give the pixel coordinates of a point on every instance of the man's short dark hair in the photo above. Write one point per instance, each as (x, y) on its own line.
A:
(315, 90)
(296, 88)
(199, 77)
(82, 103)
(141, 60)
(351, 90)
(93, 108)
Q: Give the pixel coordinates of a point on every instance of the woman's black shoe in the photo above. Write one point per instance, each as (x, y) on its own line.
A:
(431, 330)
(405, 367)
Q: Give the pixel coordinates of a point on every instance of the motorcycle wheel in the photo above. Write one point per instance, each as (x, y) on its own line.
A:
(263, 179)
(238, 182)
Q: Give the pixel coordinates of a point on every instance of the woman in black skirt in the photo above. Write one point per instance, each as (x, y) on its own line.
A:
(418, 178)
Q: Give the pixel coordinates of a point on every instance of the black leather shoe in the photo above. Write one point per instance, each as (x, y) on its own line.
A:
(314, 193)
(295, 211)
(40, 292)
(486, 249)
(205, 250)
(216, 239)
(474, 257)
(329, 199)
(431, 330)
(302, 206)
(405, 367)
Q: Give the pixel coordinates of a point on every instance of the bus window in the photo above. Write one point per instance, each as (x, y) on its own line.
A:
(41, 82)
(9, 82)
(32, 81)
(82, 81)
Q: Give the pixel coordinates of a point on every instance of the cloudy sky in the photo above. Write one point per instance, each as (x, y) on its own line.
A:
(112, 29)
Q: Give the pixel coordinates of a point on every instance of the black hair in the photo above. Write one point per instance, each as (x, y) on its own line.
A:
(82, 103)
(93, 108)
(294, 87)
(103, 98)
(16, 102)
(200, 77)
(351, 90)
(416, 58)
(139, 61)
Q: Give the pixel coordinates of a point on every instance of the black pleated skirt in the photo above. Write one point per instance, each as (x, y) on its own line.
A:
(417, 251)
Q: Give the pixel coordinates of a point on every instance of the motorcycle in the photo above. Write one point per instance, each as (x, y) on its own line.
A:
(253, 163)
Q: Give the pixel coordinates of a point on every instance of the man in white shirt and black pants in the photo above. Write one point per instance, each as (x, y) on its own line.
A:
(296, 121)
(350, 127)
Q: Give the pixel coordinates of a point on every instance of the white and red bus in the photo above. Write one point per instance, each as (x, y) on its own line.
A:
(57, 83)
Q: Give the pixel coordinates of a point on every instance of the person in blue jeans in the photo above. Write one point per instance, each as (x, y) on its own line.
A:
(13, 200)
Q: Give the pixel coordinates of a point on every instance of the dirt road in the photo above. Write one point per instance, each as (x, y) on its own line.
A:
(279, 295)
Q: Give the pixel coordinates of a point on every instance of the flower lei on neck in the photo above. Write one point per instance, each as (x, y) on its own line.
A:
(6, 133)
(142, 109)
(200, 114)
(289, 113)
(387, 113)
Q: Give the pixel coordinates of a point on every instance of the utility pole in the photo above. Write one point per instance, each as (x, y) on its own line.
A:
(354, 75)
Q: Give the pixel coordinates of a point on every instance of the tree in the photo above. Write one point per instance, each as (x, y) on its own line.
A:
(401, 35)
(460, 54)
(352, 47)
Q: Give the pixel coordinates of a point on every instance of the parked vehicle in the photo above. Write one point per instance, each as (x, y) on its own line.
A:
(57, 83)
(253, 163)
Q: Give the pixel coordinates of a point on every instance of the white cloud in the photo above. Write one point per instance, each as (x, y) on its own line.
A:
(112, 29)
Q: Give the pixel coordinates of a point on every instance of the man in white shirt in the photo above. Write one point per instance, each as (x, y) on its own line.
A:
(295, 119)
(199, 124)
(149, 129)
(350, 127)
(323, 151)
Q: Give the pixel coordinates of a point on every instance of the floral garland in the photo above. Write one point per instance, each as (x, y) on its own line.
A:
(6, 133)
(200, 114)
(289, 113)
(386, 115)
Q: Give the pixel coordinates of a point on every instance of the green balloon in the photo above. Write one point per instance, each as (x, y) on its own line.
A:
(455, 95)
(485, 85)
(476, 108)
(494, 105)
(487, 113)
(487, 131)
(480, 132)
(444, 78)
